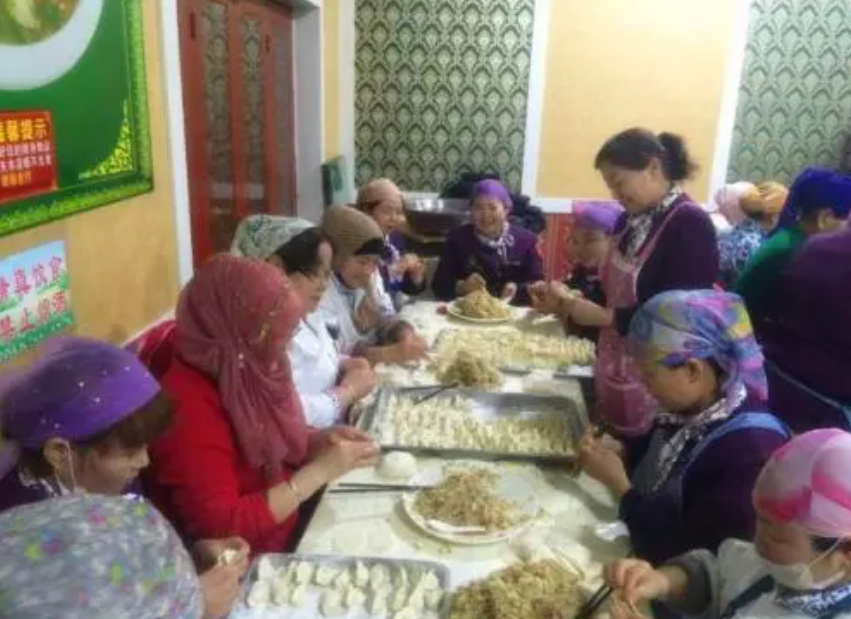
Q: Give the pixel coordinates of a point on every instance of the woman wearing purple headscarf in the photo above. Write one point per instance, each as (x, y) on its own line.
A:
(79, 420)
(490, 252)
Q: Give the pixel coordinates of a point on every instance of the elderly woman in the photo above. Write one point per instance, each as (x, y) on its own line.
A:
(79, 420)
(240, 458)
(819, 201)
(665, 242)
(490, 252)
(753, 214)
(686, 484)
(356, 302)
(94, 557)
(799, 564)
(402, 273)
(327, 383)
(808, 344)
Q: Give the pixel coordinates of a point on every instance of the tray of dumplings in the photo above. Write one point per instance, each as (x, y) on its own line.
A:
(302, 586)
(474, 425)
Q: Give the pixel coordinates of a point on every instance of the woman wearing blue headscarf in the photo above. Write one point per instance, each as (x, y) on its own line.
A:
(819, 201)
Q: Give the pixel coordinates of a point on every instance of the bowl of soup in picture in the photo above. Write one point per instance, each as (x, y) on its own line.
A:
(41, 40)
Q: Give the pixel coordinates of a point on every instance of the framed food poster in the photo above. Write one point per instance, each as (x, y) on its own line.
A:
(74, 131)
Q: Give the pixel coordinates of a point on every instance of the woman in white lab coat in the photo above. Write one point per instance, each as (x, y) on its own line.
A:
(327, 383)
(356, 301)
(799, 564)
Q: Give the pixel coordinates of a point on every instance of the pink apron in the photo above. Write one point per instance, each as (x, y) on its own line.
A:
(622, 402)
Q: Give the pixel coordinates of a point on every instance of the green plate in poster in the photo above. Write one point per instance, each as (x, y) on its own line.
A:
(74, 132)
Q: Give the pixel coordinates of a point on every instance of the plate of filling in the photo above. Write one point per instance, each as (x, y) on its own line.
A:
(479, 307)
(471, 503)
(41, 40)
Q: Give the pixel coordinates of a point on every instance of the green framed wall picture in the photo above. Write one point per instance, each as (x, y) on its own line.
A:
(74, 128)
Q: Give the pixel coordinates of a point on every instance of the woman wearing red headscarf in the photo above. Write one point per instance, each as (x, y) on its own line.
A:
(240, 458)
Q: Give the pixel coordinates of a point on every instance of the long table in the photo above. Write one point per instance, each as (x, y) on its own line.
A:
(577, 509)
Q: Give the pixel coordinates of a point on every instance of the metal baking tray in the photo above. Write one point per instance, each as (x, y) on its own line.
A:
(486, 405)
(310, 608)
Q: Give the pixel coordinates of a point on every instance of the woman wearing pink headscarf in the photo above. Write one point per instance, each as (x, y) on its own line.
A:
(240, 458)
(799, 564)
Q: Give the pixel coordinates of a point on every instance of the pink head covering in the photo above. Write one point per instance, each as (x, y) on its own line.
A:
(234, 320)
(806, 482)
(727, 201)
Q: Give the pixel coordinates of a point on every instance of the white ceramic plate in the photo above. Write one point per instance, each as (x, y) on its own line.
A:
(25, 67)
(453, 310)
(511, 486)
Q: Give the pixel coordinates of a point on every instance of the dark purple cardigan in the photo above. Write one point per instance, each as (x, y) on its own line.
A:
(716, 495)
(464, 255)
(685, 258)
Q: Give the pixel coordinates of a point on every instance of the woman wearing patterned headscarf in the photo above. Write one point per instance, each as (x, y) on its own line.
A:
(94, 557)
(240, 458)
(79, 420)
(819, 201)
(490, 252)
(686, 484)
(799, 564)
(327, 383)
(759, 207)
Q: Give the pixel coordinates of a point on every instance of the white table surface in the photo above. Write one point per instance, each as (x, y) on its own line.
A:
(373, 525)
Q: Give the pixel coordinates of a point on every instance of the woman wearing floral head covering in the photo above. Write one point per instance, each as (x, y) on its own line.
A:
(94, 557)
(686, 484)
(799, 564)
(819, 201)
(240, 458)
(490, 252)
(327, 383)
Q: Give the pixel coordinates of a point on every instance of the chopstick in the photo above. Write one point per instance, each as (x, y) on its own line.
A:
(593, 604)
(434, 393)
(366, 488)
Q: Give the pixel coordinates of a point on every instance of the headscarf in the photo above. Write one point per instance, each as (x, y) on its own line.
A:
(676, 326)
(349, 231)
(598, 214)
(94, 557)
(806, 482)
(728, 201)
(77, 388)
(233, 320)
(765, 199)
(260, 236)
(490, 188)
(815, 189)
(378, 192)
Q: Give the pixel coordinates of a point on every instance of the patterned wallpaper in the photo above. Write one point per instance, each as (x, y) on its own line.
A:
(795, 99)
(441, 88)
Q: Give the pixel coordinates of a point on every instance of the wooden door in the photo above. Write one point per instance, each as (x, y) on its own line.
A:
(238, 103)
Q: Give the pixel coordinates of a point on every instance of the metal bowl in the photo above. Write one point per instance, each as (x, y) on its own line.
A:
(436, 217)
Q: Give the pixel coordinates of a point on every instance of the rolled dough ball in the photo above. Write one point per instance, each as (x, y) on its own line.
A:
(398, 465)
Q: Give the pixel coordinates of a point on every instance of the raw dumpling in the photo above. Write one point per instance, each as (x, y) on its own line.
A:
(325, 575)
(281, 591)
(354, 597)
(430, 582)
(361, 575)
(260, 594)
(378, 601)
(332, 604)
(297, 594)
(398, 465)
(303, 573)
(400, 579)
(399, 598)
(265, 569)
(343, 580)
(378, 577)
(228, 556)
(433, 599)
(406, 613)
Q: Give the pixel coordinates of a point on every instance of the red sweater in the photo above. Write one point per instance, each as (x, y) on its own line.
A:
(198, 478)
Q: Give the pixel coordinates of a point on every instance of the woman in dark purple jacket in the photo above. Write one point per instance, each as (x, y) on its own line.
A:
(489, 253)
(665, 241)
(687, 483)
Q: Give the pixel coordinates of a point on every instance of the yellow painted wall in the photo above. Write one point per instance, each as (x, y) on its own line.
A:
(122, 258)
(331, 75)
(613, 64)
